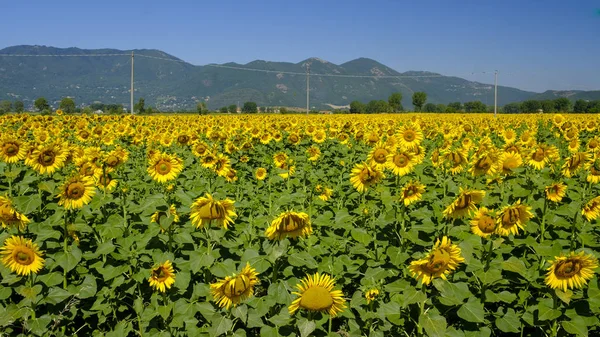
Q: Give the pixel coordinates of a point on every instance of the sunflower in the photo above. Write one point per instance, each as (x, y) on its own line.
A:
(509, 136)
(593, 166)
(573, 164)
(280, 159)
(164, 167)
(483, 164)
(21, 255)
(293, 138)
(289, 224)
(440, 262)
(556, 192)
(313, 153)
(412, 192)
(464, 204)
(47, 159)
(162, 276)
(260, 173)
(378, 156)
(12, 150)
(572, 271)
(410, 136)
(159, 215)
(222, 165)
(454, 160)
(9, 217)
(315, 293)
(401, 163)
(208, 160)
(233, 289)
(511, 218)
(483, 223)
(106, 183)
(541, 155)
(326, 194)
(591, 210)
(371, 295)
(509, 161)
(199, 149)
(76, 192)
(319, 137)
(206, 209)
(364, 175)
(288, 168)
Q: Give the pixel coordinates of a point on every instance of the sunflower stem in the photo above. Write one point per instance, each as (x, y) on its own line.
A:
(543, 226)
(329, 328)
(10, 179)
(554, 327)
(574, 224)
(65, 245)
(422, 309)
(488, 256)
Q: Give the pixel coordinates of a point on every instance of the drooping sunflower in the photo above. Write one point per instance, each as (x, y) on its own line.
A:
(401, 163)
(22, 256)
(454, 160)
(159, 215)
(483, 223)
(260, 173)
(572, 271)
(47, 159)
(315, 293)
(12, 150)
(440, 262)
(326, 194)
(593, 167)
(363, 176)
(464, 204)
(378, 156)
(483, 164)
(541, 155)
(162, 277)
(105, 182)
(509, 161)
(222, 165)
(289, 224)
(410, 136)
(164, 167)
(574, 163)
(591, 210)
(280, 159)
(206, 209)
(556, 192)
(10, 217)
(371, 295)
(76, 192)
(313, 153)
(412, 192)
(511, 218)
(232, 290)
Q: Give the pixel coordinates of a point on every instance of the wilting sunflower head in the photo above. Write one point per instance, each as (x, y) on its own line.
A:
(364, 175)
(315, 293)
(10, 217)
(483, 223)
(591, 210)
(412, 192)
(289, 224)
(574, 163)
(593, 168)
(76, 192)
(483, 164)
(164, 167)
(511, 218)
(556, 192)
(464, 204)
(572, 271)
(21, 256)
(326, 194)
(440, 262)
(454, 160)
(371, 295)
(509, 161)
(206, 209)
(232, 290)
(162, 276)
(280, 159)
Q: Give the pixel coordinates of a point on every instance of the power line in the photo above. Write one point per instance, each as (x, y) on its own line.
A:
(66, 55)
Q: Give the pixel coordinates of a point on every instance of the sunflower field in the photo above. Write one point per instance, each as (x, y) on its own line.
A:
(293, 225)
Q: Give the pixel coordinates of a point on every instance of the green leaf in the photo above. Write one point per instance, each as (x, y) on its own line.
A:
(269, 331)
(39, 325)
(302, 259)
(515, 265)
(27, 204)
(576, 326)
(564, 296)
(412, 295)
(306, 327)
(546, 312)
(69, 260)
(51, 279)
(57, 295)
(472, 311)
(361, 236)
(434, 324)
(509, 322)
(88, 287)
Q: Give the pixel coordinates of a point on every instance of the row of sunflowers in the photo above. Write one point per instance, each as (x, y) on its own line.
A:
(437, 225)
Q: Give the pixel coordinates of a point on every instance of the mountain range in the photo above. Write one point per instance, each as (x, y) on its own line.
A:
(169, 83)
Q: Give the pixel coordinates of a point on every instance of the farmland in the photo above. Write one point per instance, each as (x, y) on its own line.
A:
(284, 225)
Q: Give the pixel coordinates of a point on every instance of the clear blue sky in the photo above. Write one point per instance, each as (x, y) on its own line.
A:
(535, 45)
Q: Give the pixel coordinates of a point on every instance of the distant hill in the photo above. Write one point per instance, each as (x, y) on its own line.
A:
(180, 85)
(573, 95)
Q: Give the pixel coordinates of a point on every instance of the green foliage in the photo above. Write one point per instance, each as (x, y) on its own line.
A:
(67, 105)
(41, 104)
(357, 107)
(19, 106)
(475, 106)
(140, 106)
(232, 108)
(5, 107)
(418, 100)
(395, 102)
(379, 106)
(223, 110)
(249, 107)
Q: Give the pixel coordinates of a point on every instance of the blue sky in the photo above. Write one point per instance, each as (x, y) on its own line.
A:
(535, 45)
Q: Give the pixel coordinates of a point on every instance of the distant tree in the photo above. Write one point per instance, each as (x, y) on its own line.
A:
(530, 106)
(430, 107)
(512, 108)
(140, 106)
(580, 106)
(440, 107)
(201, 108)
(250, 107)
(263, 109)
(593, 107)
(223, 110)
(475, 106)
(283, 110)
(5, 106)
(562, 104)
(97, 106)
(548, 106)
(395, 102)
(357, 107)
(457, 106)
(113, 108)
(418, 100)
(19, 106)
(450, 109)
(67, 105)
(232, 108)
(87, 110)
(41, 104)
(377, 106)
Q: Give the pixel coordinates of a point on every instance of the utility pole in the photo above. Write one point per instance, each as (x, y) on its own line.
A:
(307, 87)
(131, 100)
(495, 92)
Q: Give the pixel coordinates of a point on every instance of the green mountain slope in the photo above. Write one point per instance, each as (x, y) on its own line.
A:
(173, 84)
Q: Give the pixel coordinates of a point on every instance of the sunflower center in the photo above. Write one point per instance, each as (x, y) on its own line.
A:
(112, 160)
(401, 160)
(183, 139)
(593, 144)
(380, 155)
(160, 274)
(409, 135)
(410, 191)
(211, 211)
(538, 155)
(484, 163)
(463, 201)
(24, 257)
(438, 261)
(316, 298)
(510, 217)
(163, 167)
(75, 190)
(84, 134)
(567, 268)
(47, 158)
(486, 224)
(367, 175)
(11, 149)
(291, 223)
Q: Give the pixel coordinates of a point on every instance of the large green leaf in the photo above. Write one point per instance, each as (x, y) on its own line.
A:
(472, 311)
(434, 324)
